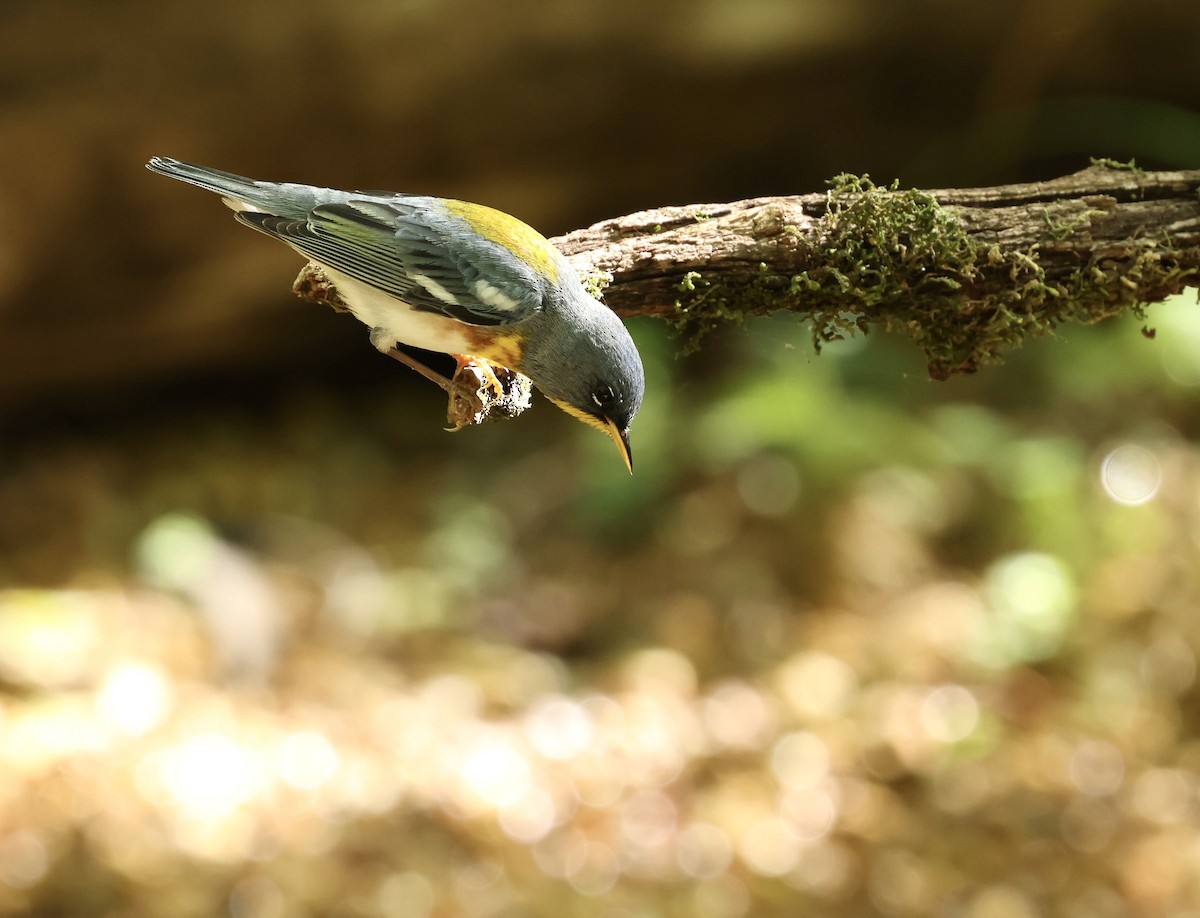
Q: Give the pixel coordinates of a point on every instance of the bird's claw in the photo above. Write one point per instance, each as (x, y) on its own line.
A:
(485, 392)
(484, 368)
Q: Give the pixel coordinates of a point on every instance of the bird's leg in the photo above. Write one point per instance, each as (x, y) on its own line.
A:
(432, 375)
(465, 407)
(387, 344)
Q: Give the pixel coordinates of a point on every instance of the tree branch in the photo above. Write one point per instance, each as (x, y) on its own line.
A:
(966, 273)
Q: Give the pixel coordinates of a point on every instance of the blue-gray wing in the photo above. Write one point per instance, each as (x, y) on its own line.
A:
(412, 250)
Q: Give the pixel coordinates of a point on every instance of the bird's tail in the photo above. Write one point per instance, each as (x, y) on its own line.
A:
(237, 191)
(223, 183)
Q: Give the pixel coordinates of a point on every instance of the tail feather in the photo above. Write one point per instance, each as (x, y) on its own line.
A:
(239, 192)
(224, 183)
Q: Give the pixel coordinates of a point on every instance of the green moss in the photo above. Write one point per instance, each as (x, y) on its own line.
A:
(595, 282)
(703, 306)
(1130, 166)
(892, 256)
(899, 259)
(1061, 230)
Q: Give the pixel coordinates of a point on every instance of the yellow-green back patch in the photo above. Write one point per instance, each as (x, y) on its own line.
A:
(522, 240)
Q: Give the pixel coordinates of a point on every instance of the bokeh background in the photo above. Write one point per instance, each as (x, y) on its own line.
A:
(850, 643)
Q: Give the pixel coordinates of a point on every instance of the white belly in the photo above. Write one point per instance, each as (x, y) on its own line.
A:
(376, 309)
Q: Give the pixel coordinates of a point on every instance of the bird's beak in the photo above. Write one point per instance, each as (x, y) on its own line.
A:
(621, 438)
(608, 425)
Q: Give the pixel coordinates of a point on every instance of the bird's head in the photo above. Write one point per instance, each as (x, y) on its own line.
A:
(587, 364)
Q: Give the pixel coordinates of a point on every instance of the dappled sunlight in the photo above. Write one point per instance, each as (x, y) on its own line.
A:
(1131, 474)
(707, 786)
(970, 652)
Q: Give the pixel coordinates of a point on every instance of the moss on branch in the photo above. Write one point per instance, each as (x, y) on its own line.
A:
(966, 274)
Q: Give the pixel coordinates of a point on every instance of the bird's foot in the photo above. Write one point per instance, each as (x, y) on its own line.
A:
(491, 392)
(483, 367)
(479, 391)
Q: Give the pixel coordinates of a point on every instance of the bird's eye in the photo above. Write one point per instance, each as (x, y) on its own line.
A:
(604, 396)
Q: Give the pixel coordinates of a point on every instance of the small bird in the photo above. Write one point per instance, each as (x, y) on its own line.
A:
(448, 276)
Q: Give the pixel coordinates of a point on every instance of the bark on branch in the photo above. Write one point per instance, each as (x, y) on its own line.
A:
(967, 273)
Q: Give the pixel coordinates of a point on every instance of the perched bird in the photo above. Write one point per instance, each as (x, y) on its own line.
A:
(449, 276)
